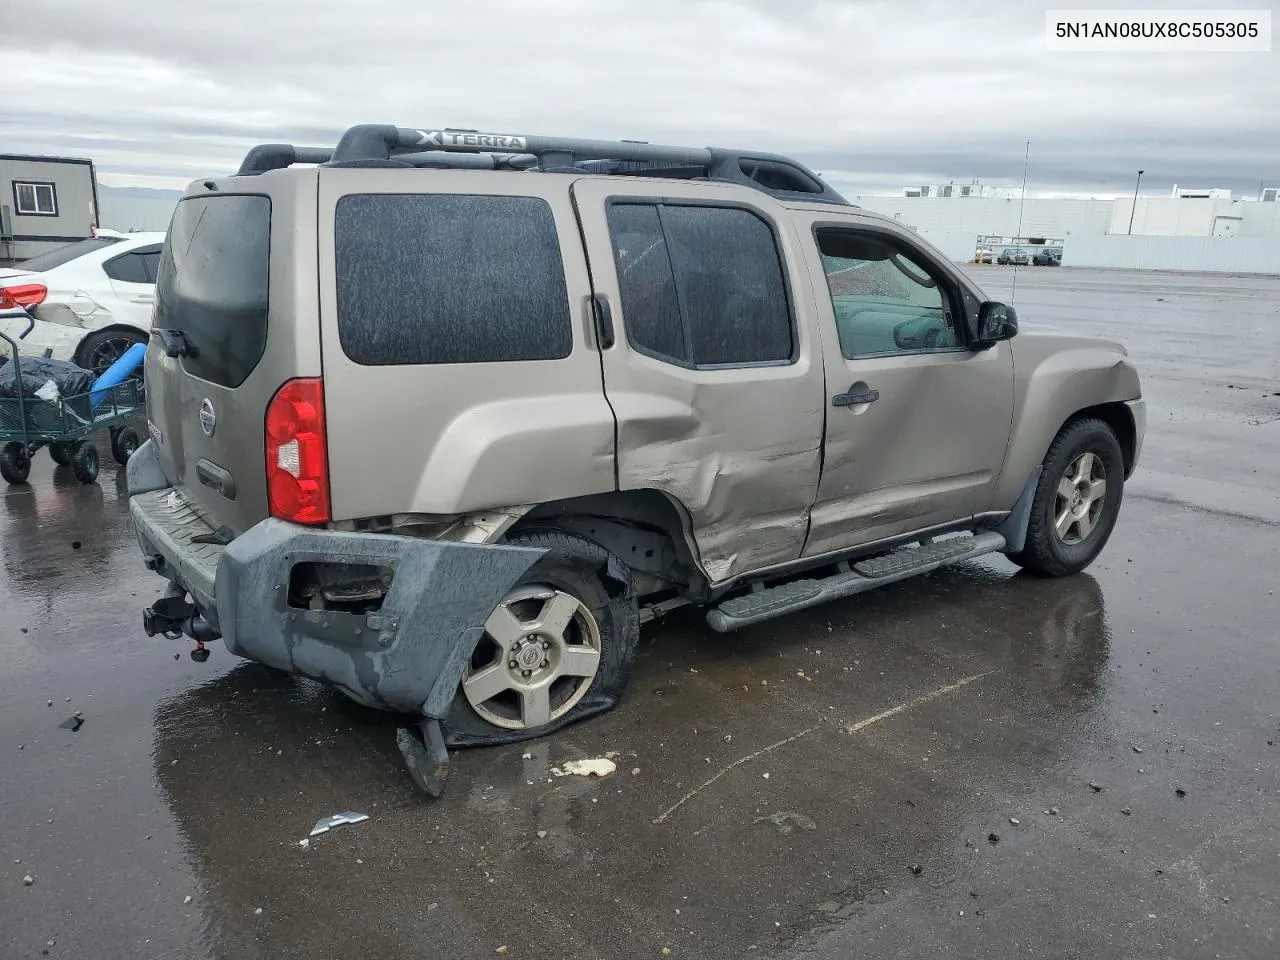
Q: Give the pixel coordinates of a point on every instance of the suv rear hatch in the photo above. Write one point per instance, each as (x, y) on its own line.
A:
(235, 320)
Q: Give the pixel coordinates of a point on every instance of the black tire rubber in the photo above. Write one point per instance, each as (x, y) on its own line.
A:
(60, 453)
(1044, 553)
(90, 345)
(15, 463)
(123, 444)
(603, 583)
(84, 463)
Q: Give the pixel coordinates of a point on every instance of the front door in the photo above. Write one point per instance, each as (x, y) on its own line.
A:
(917, 421)
(715, 370)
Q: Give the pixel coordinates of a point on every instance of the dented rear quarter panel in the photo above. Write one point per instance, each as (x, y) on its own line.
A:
(1056, 377)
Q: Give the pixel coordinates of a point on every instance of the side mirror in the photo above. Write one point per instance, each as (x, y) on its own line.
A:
(996, 322)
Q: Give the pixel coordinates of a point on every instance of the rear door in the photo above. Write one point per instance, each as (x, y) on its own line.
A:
(133, 281)
(237, 281)
(917, 420)
(715, 373)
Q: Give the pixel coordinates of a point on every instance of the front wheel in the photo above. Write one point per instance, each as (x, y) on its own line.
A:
(1077, 500)
(558, 647)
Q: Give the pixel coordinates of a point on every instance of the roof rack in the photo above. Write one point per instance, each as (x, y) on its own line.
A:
(383, 145)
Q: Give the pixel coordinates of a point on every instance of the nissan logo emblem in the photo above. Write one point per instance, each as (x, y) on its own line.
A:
(208, 419)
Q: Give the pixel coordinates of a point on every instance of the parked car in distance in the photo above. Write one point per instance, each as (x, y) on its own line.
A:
(479, 427)
(1048, 257)
(983, 255)
(91, 299)
(1013, 255)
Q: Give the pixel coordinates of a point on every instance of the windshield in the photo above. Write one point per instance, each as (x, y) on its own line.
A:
(56, 258)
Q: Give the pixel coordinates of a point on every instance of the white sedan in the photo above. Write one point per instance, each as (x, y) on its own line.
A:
(91, 300)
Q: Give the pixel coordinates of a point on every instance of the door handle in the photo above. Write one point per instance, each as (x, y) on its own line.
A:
(855, 399)
(604, 320)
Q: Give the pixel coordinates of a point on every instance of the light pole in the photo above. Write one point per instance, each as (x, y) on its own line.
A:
(1134, 208)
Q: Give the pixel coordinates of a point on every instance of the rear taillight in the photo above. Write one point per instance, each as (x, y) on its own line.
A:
(297, 458)
(23, 295)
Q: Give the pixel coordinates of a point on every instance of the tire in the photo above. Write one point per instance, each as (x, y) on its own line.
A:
(123, 443)
(102, 348)
(1064, 533)
(84, 463)
(60, 453)
(15, 463)
(573, 571)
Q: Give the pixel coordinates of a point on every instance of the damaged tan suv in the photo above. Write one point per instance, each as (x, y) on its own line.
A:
(441, 417)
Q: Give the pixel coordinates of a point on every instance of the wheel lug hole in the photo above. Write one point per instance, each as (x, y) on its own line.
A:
(512, 664)
(546, 644)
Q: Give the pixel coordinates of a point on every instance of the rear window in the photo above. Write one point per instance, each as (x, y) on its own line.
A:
(56, 258)
(212, 284)
(449, 279)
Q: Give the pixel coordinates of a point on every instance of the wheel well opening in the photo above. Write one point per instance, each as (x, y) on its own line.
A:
(139, 335)
(642, 528)
(1117, 416)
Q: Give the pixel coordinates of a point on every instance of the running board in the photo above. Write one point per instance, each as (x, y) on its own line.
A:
(742, 611)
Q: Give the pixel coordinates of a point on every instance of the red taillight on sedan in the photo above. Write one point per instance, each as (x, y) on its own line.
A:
(22, 295)
(297, 457)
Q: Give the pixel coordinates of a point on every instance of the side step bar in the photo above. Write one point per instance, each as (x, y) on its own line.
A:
(742, 611)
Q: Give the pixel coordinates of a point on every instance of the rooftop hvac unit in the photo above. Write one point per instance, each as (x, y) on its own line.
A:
(1269, 195)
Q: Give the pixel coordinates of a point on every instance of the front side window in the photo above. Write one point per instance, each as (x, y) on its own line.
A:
(35, 199)
(701, 286)
(426, 279)
(887, 298)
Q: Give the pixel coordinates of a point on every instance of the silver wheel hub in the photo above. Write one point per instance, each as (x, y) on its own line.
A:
(1081, 497)
(536, 661)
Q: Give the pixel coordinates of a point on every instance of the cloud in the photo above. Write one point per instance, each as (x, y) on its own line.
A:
(889, 93)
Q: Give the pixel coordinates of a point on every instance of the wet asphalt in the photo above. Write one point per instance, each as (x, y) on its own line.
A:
(972, 764)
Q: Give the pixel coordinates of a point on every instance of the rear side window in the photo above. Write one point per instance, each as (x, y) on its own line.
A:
(130, 268)
(701, 286)
(425, 279)
(212, 284)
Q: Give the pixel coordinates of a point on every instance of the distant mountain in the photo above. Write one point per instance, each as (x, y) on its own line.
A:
(139, 193)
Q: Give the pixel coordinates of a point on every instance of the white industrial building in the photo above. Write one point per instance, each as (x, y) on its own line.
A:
(1189, 230)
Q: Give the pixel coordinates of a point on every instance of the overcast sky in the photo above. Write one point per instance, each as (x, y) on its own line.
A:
(875, 95)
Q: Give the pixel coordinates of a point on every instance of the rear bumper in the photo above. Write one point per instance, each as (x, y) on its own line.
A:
(61, 339)
(407, 656)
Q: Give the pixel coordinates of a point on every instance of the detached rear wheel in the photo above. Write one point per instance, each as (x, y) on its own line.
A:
(1076, 502)
(558, 647)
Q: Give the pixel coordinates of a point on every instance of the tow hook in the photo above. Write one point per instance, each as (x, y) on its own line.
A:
(167, 617)
(173, 615)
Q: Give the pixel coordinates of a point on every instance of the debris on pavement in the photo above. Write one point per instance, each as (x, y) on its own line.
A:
(186, 899)
(1095, 788)
(542, 834)
(787, 821)
(597, 767)
(917, 869)
(1178, 791)
(1137, 749)
(1126, 811)
(993, 838)
(1015, 821)
(501, 949)
(257, 912)
(304, 843)
(325, 824)
(28, 880)
(72, 723)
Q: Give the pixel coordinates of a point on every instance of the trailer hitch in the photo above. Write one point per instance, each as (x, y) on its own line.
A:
(173, 616)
